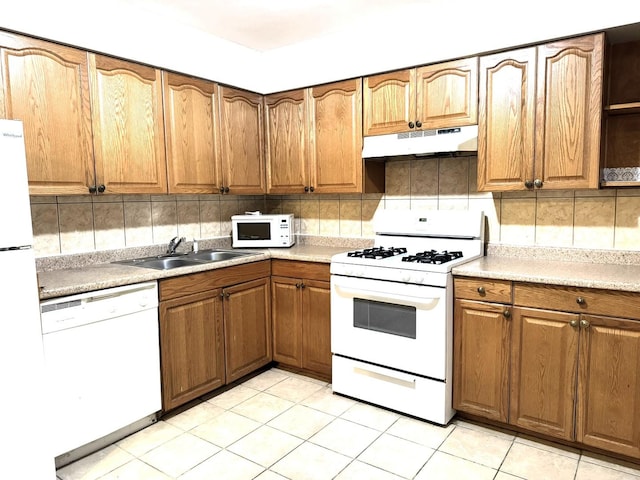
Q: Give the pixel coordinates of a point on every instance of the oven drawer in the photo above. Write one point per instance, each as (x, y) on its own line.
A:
(498, 291)
(580, 300)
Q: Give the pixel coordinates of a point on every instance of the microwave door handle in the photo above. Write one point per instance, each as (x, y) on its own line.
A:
(386, 297)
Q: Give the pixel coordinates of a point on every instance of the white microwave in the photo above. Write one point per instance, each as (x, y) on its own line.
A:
(264, 231)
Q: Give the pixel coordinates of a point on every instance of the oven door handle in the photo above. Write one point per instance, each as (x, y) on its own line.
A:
(382, 297)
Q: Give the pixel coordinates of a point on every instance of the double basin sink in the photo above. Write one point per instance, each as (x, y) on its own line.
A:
(168, 262)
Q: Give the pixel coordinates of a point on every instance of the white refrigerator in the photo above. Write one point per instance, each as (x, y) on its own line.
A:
(24, 431)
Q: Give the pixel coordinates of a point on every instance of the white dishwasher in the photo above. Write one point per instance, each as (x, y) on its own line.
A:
(102, 363)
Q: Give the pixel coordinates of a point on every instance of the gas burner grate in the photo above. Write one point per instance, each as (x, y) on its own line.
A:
(377, 252)
(433, 257)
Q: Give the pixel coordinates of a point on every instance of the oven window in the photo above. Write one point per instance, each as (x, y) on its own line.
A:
(254, 231)
(384, 317)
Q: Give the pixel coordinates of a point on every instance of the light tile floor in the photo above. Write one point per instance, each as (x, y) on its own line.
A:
(280, 425)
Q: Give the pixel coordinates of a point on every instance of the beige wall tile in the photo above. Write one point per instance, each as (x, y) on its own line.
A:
(293, 206)
(398, 179)
(210, 218)
(594, 223)
(453, 203)
(310, 216)
(454, 177)
(164, 218)
(76, 227)
(350, 218)
(627, 229)
(491, 209)
(554, 222)
(188, 212)
(424, 178)
(424, 204)
(330, 217)
(228, 208)
(46, 232)
(137, 223)
(369, 208)
(517, 221)
(108, 219)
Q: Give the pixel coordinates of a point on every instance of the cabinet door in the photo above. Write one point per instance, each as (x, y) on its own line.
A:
(447, 94)
(481, 346)
(190, 118)
(191, 347)
(286, 142)
(609, 385)
(247, 327)
(286, 316)
(389, 102)
(316, 326)
(543, 371)
(335, 157)
(128, 126)
(568, 112)
(46, 86)
(506, 121)
(242, 141)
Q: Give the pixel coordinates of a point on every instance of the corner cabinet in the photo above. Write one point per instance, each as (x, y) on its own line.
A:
(241, 141)
(301, 314)
(314, 141)
(47, 87)
(128, 126)
(190, 115)
(215, 327)
(434, 96)
(539, 116)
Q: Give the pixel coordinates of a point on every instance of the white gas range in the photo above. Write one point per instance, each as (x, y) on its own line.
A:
(392, 310)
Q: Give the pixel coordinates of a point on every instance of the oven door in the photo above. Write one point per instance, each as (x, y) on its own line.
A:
(397, 325)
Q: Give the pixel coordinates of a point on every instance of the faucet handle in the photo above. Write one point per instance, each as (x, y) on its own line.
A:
(194, 247)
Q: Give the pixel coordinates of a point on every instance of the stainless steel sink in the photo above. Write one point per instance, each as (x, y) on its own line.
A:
(168, 262)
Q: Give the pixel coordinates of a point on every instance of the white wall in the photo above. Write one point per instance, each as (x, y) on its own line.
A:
(425, 32)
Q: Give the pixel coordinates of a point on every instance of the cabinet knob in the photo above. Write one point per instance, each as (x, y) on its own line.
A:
(573, 323)
(297, 285)
(227, 294)
(411, 125)
(93, 189)
(306, 189)
(302, 285)
(418, 123)
(311, 189)
(222, 295)
(226, 189)
(101, 188)
(528, 183)
(221, 189)
(581, 301)
(537, 183)
(507, 313)
(481, 290)
(584, 324)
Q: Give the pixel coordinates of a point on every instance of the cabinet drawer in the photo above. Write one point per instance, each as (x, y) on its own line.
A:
(300, 269)
(483, 289)
(612, 303)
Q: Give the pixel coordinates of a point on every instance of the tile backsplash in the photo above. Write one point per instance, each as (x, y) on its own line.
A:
(600, 219)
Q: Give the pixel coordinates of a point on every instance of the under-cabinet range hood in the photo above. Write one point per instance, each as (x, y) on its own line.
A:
(454, 140)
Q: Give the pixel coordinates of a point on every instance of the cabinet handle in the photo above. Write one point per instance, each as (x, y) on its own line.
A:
(411, 125)
(573, 323)
(537, 183)
(584, 324)
(528, 183)
(418, 123)
(481, 290)
(581, 301)
(101, 188)
(507, 313)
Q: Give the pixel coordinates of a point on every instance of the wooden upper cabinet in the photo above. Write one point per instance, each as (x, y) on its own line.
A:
(540, 115)
(46, 86)
(128, 132)
(506, 125)
(190, 106)
(335, 146)
(389, 102)
(242, 142)
(447, 94)
(434, 96)
(569, 109)
(286, 137)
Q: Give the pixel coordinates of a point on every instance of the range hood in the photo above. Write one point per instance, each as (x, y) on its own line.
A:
(454, 140)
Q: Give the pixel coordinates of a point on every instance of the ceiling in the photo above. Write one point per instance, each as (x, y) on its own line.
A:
(264, 25)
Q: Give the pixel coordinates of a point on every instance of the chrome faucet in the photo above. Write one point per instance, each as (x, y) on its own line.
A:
(173, 244)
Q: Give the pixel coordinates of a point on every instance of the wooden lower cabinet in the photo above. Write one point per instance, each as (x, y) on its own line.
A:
(215, 327)
(570, 374)
(301, 316)
(191, 347)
